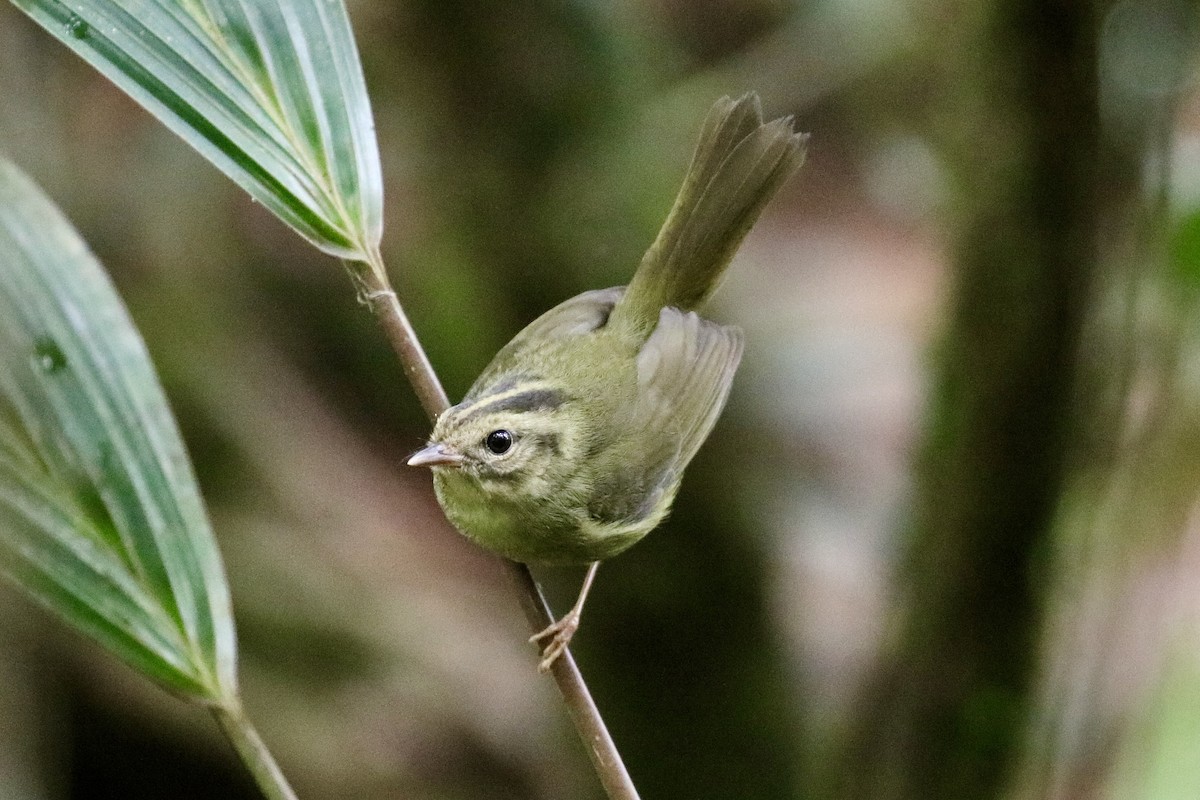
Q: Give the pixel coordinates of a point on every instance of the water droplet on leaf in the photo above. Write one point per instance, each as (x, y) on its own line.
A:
(48, 356)
(77, 27)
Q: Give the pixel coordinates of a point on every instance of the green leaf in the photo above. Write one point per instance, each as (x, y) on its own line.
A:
(271, 91)
(100, 516)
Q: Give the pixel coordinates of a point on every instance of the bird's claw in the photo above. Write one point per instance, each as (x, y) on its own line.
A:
(559, 634)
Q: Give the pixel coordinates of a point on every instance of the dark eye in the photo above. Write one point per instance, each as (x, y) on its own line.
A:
(498, 442)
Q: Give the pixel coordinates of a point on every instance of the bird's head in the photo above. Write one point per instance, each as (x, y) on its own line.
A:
(511, 442)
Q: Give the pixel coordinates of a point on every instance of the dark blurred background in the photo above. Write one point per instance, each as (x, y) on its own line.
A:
(944, 543)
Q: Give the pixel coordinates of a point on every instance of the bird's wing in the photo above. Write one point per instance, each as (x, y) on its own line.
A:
(685, 370)
(581, 314)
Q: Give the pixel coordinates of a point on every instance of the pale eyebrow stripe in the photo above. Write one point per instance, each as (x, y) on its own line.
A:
(518, 401)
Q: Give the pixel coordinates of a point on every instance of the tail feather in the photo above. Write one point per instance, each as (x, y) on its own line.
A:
(738, 165)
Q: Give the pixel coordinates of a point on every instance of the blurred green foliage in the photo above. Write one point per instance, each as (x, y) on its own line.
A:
(1185, 249)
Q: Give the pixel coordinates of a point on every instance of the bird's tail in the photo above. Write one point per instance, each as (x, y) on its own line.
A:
(739, 163)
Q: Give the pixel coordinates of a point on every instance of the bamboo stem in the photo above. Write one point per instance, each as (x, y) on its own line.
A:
(376, 292)
(253, 752)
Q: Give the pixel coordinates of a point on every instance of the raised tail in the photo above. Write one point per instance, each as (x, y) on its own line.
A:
(739, 163)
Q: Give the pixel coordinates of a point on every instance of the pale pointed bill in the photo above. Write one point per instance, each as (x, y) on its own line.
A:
(435, 455)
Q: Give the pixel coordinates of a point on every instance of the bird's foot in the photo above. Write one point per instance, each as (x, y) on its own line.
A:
(559, 634)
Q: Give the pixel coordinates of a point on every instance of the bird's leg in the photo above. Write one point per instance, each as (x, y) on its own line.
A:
(560, 632)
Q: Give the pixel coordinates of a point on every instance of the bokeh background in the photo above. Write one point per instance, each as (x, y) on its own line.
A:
(945, 542)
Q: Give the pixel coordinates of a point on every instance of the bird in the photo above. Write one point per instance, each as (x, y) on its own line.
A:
(571, 444)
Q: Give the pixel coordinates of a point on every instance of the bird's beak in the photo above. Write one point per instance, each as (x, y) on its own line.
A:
(436, 455)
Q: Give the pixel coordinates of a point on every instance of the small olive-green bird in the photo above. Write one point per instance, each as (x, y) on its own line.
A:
(571, 445)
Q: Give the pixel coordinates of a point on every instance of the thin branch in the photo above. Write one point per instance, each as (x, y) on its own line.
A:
(253, 752)
(583, 711)
(376, 292)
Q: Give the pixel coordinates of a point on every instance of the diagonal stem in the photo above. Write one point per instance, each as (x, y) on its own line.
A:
(253, 752)
(376, 292)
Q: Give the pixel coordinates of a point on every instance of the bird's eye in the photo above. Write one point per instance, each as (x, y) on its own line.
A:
(498, 442)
